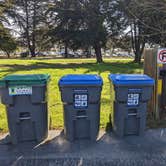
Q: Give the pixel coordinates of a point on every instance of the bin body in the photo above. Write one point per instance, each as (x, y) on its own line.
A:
(131, 94)
(2, 85)
(25, 98)
(80, 95)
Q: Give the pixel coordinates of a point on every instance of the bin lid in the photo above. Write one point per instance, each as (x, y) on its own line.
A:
(131, 79)
(81, 79)
(29, 79)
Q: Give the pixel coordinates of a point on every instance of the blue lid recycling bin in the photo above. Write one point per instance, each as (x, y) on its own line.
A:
(81, 80)
(80, 95)
(130, 95)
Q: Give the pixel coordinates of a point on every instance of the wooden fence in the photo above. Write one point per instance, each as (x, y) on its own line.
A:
(151, 68)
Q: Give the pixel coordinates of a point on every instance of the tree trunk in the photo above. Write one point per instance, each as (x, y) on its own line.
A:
(8, 54)
(138, 52)
(99, 58)
(30, 43)
(27, 28)
(90, 52)
(137, 58)
(66, 50)
(87, 52)
(138, 43)
(33, 50)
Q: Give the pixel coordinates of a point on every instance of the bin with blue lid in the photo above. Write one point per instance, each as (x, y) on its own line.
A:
(130, 95)
(25, 98)
(80, 95)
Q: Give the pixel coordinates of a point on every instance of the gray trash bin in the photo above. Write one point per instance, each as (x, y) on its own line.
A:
(2, 85)
(81, 102)
(25, 98)
(130, 97)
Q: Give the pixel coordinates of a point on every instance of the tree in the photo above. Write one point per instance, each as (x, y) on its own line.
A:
(7, 43)
(138, 40)
(123, 42)
(4, 6)
(85, 23)
(135, 18)
(29, 16)
(147, 23)
(156, 25)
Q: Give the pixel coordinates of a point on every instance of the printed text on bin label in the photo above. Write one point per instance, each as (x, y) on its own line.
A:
(20, 90)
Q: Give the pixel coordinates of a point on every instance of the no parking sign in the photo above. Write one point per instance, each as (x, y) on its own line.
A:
(161, 56)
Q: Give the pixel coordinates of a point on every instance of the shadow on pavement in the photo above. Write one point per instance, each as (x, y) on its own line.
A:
(108, 149)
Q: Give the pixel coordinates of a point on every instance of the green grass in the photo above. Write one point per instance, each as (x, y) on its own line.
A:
(58, 68)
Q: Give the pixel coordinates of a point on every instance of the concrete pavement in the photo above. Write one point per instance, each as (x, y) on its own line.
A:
(148, 150)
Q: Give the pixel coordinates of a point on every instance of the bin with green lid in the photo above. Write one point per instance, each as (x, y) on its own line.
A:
(81, 102)
(2, 84)
(25, 97)
(130, 95)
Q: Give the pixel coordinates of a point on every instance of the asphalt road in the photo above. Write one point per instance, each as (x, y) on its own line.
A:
(148, 150)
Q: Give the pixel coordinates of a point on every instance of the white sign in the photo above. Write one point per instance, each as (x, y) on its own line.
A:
(161, 56)
(133, 99)
(20, 90)
(80, 100)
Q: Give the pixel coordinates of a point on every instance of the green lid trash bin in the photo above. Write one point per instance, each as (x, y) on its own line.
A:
(25, 97)
(81, 102)
(130, 95)
(2, 85)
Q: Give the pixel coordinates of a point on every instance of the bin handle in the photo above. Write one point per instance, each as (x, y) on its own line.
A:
(81, 116)
(132, 114)
(25, 118)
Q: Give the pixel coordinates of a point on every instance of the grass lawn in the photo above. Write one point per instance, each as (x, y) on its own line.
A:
(57, 68)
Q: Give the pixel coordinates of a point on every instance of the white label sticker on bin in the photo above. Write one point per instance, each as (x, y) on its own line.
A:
(80, 100)
(20, 90)
(133, 99)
